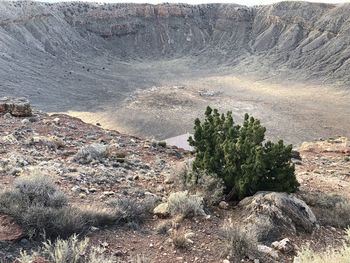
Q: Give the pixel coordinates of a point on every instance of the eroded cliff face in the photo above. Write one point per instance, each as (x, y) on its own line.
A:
(309, 39)
(94, 58)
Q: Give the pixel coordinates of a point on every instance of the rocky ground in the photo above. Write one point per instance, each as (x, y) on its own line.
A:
(141, 168)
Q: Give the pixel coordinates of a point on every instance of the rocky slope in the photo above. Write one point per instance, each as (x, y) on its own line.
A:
(74, 155)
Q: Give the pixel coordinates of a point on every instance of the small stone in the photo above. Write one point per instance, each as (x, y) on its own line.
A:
(75, 188)
(24, 241)
(94, 229)
(8, 116)
(118, 253)
(25, 121)
(168, 181)
(108, 193)
(285, 245)
(223, 205)
(92, 190)
(162, 210)
(56, 121)
(225, 261)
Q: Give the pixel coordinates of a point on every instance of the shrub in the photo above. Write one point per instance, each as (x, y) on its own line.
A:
(329, 209)
(209, 186)
(73, 250)
(162, 144)
(179, 240)
(138, 259)
(92, 152)
(339, 255)
(131, 211)
(238, 243)
(63, 251)
(181, 203)
(41, 209)
(238, 156)
(163, 228)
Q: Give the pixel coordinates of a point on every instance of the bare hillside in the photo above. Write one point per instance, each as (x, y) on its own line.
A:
(95, 60)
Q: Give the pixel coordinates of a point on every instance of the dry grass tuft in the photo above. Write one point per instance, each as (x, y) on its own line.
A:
(329, 209)
(239, 244)
(42, 210)
(340, 255)
(181, 203)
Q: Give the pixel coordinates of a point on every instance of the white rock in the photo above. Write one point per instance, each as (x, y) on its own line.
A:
(56, 121)
(268, 251)
(162, 210)
(223, 205)
(285, 245)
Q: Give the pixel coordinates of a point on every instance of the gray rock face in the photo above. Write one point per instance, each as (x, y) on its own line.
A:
(83, 57)
(306, 40)
(271, 214)
(18, 107)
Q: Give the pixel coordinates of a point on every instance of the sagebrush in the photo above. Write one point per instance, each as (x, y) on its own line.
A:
(239, 243)
(42, 210)
(75, 250)
(181, 203)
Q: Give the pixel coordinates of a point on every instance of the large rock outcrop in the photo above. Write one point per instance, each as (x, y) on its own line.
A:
(271, 215)
(18, 107)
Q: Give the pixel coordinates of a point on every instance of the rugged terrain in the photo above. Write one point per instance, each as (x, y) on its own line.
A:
(50, 144)
(150, 69)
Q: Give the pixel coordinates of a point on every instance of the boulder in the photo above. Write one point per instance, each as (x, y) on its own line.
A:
(18, 107)
(9, 229)
(271, 214)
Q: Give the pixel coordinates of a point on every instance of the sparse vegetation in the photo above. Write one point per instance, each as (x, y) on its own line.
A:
(92, 152)
(181, 203)
(163, 228)
(329, 209)
(74, 250)
(179, 239)
(239, 244)
(41, 209)
(131, 211)
(339, 255)
(162, 144)
(71, 250)
(209, 186)
(238, 156)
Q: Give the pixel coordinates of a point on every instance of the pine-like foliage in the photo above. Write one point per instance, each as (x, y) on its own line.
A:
(239, 156)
